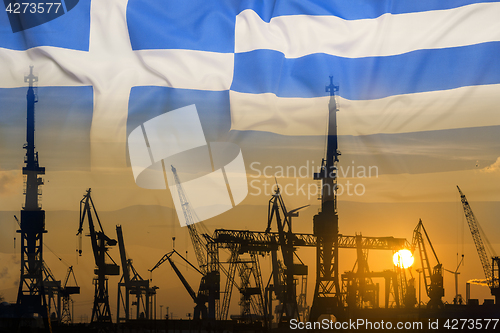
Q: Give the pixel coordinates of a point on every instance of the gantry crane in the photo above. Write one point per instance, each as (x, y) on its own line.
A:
(134, 285)
(433, 275)
(200, 310)
(101, 313)
(490, 268)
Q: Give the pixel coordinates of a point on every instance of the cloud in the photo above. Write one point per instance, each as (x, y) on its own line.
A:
(481, 282)
(493, 168)
(4, 272)
(9, 181)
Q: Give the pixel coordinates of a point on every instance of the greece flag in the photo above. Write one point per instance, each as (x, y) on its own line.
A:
(429, 67)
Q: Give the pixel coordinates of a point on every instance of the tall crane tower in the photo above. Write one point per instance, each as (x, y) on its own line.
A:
(490, 268)
(31, 295)
(101, 313)
(327, 297)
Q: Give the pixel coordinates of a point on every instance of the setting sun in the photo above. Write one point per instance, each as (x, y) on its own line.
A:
(403, 258)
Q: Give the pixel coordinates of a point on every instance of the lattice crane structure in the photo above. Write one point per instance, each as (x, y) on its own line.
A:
(327, 294)
(31, 293)
(491, 264)
(210, 282)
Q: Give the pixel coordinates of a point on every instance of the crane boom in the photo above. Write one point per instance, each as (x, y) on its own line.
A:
(200, 299)
(476, 236)
(198, 244)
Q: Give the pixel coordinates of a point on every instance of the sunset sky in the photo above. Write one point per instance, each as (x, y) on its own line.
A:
(418, 115)
(413, 175)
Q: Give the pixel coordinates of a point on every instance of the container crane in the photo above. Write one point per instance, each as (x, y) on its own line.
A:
(490, 268)
(433, 276)
(101, 313)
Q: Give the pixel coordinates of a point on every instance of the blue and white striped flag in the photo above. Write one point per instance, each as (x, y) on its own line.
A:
(402, 67)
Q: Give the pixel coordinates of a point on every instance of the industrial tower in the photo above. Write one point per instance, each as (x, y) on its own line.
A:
(327, 297)
(31, 295)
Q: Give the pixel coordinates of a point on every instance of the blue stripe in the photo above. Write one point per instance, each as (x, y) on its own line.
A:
(209, 25)
(71, 31)
(193, 25)
(147, 102)
(352, 9)
(267, 71)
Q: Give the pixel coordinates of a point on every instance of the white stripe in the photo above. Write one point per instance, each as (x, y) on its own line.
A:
(189, 69)
(473, 106)
(300, 35)
(111, 67)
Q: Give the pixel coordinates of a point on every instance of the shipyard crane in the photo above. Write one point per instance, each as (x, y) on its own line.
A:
(200, 310)
(210, 281)
(490, 268)
(101, 313)
(134, 285)
(289, 306)
(433, 276)
(66, 292)
(31, 293)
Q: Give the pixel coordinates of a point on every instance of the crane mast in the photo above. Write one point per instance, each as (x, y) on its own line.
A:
(327, 296)
(31, 293)
(198, 245)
